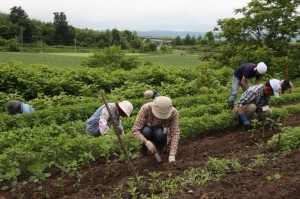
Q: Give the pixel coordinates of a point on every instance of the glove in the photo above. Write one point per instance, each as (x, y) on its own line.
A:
(172, 158)
(245, 121)
(271, 121)
(150, 146)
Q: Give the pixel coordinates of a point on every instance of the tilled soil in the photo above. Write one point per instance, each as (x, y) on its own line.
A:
(192, 153)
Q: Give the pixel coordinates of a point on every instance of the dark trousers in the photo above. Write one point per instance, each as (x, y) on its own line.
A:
(155, 135)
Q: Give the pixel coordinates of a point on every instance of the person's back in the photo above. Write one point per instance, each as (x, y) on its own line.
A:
(98, 124)
(14, 107)
(150, 94)
(286, 86)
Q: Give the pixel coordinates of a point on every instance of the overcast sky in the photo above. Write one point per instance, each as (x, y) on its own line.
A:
(139, 15)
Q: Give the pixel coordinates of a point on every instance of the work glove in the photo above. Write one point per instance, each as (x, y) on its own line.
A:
(271, 121)
(172, 158)
(150, 146)
(245, 121)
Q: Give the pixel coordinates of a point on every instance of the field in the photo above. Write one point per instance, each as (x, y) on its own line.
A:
(74, 60)
(47, 154)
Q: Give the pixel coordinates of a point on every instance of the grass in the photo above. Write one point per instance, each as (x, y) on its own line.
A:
(174, 60)
(74, 60)
(56, 60)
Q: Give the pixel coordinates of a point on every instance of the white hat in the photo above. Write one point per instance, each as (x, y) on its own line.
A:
(148, 94)
(275, 84)
(261, 68)
(126, 107)
(162, 107)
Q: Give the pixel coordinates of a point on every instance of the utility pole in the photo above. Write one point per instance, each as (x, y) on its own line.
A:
(21, 35)
(41, 45)
(75, 44)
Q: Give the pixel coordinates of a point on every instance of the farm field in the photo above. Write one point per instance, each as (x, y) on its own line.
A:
(47, 154)
(192, 157)
(55, 60)
(74, 60)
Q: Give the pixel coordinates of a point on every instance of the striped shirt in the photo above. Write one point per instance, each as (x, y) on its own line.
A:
(146, 117)
(254, 95)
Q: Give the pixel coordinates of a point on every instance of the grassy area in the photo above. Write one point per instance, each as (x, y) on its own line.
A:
(56, 60)
(174, 60)
(63, 60)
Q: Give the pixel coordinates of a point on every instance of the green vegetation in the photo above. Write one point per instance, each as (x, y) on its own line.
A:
(64, 88)
(54, 60)
(174, 60)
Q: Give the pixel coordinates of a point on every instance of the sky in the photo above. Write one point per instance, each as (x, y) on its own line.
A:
(133, 15)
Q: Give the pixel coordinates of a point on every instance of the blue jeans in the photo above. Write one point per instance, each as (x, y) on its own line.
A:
(155, 135)
(236, 82)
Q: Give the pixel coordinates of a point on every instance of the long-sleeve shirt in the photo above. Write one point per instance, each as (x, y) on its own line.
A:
(254, 95)
(26, 108)
(146, 117)
(101, 120)
(246, 70)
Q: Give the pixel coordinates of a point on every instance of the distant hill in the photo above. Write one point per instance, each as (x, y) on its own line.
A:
(171, 34)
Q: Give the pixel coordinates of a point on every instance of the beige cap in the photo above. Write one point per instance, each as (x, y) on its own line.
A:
(148, 94)
(162, 107)
(126, 107)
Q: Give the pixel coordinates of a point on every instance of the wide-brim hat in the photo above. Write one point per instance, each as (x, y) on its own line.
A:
(162, 107)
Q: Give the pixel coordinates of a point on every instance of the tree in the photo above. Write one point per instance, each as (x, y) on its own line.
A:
(177, 41)
(116, 38)
(112, 58)
(271, 22)
(62, 28)
(187, 40)
(20, 18)
(17, 15)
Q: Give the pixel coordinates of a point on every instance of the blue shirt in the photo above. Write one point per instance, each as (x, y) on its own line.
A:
(254, 95)
(25, 108)
(92, 125)
(155, 94)
(246, 70)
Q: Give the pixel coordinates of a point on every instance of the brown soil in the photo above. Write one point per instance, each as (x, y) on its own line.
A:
(233, 143)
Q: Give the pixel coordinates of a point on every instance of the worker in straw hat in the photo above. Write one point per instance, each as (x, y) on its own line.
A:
(241, 76)
(152, 119)
(98, 124)
(255, 102)
(150, 94)
(14, 107)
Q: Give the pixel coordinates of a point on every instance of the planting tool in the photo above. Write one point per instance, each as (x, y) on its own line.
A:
(121, 142)
(157, 156)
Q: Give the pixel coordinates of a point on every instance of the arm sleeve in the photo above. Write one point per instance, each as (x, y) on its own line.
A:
(246, 98)
(103, 121)
(139, 124)
(27, 108)
(174, 134)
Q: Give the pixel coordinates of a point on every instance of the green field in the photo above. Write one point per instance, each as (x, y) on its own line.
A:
(56, 60)
(174, 60)
(74, 60)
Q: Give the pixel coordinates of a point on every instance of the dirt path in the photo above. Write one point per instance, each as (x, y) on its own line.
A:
(233, 143)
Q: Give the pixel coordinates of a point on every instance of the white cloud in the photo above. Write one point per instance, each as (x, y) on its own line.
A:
(176, 15)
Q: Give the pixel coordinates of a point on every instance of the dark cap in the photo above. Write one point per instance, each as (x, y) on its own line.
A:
(13, 107)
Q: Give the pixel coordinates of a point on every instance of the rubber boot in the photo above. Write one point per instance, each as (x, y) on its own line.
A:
(230, 105)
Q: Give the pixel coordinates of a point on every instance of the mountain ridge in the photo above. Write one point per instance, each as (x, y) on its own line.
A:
(171, 34)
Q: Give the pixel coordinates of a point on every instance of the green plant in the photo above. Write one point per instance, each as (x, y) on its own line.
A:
(132, 188)
(260, 160)
(37, 169)
(275, 176)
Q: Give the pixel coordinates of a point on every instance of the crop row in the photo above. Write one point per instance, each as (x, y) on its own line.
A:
(68, 142)
(82, 109)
